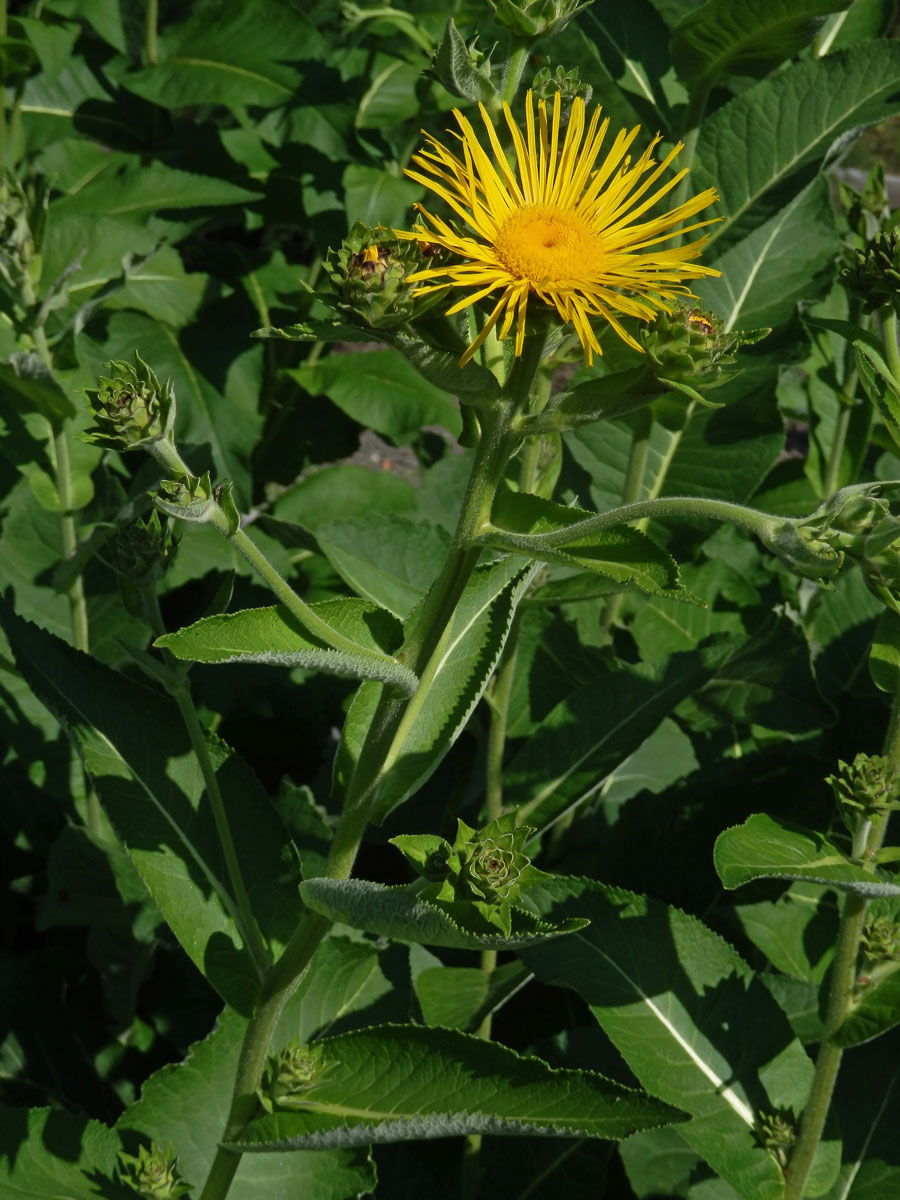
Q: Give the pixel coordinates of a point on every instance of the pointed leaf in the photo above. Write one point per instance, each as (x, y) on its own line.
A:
(275, 636)
(138, 755)
(750, 37)
(396, 912)
(767, 847)
(402, 1083)
(51, 1153)
(30, 383)
(660, 983)
(875, 1009)
(457, 675)
(810, 104)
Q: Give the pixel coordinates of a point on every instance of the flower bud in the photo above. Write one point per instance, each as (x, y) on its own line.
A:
(140, 554)
(873, 275)
(689, 344)
(777, 1132)
(130, 408)
(866, 787)
(535, 18)
(289, 1075)
(881, 940)
(17, 249)
(153, 1174)
(567, 83)
(493, 862)
(369, 272)
(802, 547)
(866, 211)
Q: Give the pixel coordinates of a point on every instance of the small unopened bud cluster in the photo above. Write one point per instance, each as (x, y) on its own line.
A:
(153, 1174)
(140, 554)
(880, 940)
(369, 274)
(777, 1132)
(289, 1076)
(866, 788)
(567, 83)
(873, 275)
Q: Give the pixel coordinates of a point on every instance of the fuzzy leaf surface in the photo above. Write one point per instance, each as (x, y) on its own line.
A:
(767, 847)
(401, 1083)
(274, 636)
(396, 912)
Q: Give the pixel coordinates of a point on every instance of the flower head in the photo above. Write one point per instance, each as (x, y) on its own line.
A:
(576, 235)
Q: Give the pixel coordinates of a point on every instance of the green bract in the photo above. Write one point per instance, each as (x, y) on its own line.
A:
(130, 408)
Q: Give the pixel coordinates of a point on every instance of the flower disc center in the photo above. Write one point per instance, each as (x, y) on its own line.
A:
(547, 245)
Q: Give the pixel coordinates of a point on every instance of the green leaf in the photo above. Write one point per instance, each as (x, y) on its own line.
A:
(457, 675)
(397, 912)
(380, 390)
(875, 1010)
(143, 191)
(659, 983)
(317, 331)
(400, 1083)
(722, 38)
(879, 385)
(461, 997)
(621, 553)
(441, 366)
(343, 492)
(593, 731)
(601, 399)
(186, 1105)
(240, 58)
(454, 67)
(781, 262)
(275, 636)
(884, 658)
(811, 105)
(51, 1153)
(377, 196)
(767, 847)
(388, 559)
(796, 932)
(157, 806)
(33, 388)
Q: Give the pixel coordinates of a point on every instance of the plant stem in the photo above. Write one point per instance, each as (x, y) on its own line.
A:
(889, 335)
(151, 47)
(424, 636)
(634, 483)
(832, 470)
(866, 843)
(515, 65)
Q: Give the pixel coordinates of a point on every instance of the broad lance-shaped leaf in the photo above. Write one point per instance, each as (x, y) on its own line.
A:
(396, 912)
(452, 684)
(785, 259)
(275, 636)
(406, 1083)
(621, 553)
(185, 1105)
(690, 1019)
(786, 123)
(137, 752)
(592, 731)
(744, 37)
(767, 847)
(57, 1153)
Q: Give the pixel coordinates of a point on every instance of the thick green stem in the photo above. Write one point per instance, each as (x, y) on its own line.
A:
(889, 334)
(832, 470)
(866, 843)
(151, 47)
(425, 635)
(515, 65)
(634, 483)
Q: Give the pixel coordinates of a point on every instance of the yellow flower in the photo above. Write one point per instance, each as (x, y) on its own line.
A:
(576, 236)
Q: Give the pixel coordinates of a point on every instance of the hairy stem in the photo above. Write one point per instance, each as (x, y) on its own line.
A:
(867, 841)
(423, 637)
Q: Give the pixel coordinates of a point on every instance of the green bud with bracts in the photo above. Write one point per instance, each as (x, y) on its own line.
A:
(369, 274)
(153, 1174)
(130, 408)
(867, 787)
(873, 275)
(690, 345)
(140, 554)
(881, 940)
(288, 1076)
